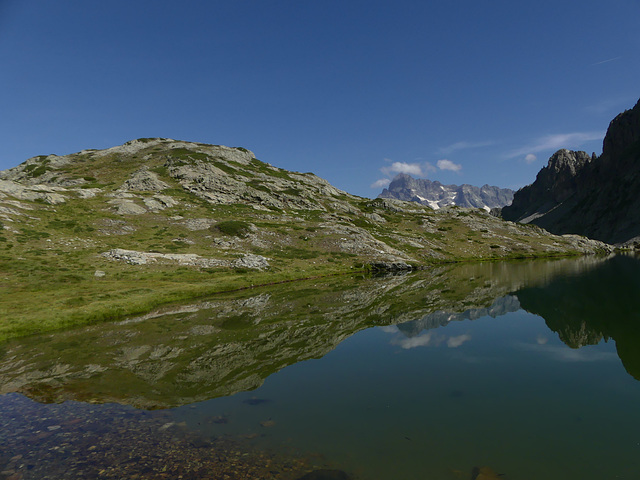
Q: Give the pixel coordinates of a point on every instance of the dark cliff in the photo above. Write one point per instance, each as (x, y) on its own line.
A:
(592, 196)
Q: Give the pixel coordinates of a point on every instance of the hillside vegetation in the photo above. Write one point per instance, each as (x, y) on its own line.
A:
(101, 234)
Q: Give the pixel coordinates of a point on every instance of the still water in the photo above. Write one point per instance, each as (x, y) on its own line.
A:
(503, 370)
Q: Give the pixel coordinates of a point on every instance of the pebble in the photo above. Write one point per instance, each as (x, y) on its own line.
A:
(113, 442)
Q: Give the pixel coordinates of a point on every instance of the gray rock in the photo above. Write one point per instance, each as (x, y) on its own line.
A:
(257, 262)
(134, 257)
(144, 181)
(46, 193)
(159, 202)
(127, 207)
(391, 266)
(375, 217)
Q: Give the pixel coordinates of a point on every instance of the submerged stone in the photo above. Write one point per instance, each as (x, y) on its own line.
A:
(485, 473)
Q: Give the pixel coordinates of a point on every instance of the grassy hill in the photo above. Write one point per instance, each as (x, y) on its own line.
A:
(101, 234)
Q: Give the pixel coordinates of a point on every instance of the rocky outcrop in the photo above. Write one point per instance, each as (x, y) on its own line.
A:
(587, 195)
(436, 195)
(134, 257)
(555, 184)
(47, 194)
(391, 267)
(144, 180)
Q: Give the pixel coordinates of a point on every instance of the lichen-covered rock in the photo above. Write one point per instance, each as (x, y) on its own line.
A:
(144, 180)
(125, 206)
(47, 194)
(257, 262)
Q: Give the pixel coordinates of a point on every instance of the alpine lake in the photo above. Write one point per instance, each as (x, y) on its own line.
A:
(515, 370)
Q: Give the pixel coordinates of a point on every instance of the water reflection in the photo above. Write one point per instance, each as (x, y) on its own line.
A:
(600, 303)
(229, 344)
(584, 304)
(457, 377)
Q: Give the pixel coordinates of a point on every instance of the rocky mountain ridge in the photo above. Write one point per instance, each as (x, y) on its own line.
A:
(588, 195)
(436, 195)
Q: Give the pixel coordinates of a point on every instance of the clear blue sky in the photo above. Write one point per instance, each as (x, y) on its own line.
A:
(354, 91)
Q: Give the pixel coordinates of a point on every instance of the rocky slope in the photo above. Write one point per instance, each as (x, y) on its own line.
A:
(97, 233)
(436, 195)
(587, 195)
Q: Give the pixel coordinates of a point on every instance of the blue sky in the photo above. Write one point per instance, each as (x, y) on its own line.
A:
(354, 91)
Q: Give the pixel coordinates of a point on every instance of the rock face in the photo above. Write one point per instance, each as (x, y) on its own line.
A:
(588, 195)
(555, 184)
(435, 195)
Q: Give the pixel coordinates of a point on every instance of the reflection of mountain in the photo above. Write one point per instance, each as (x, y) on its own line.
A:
(233, 342)
(228, 344)
(603, 302)
(501, 306)
(583, 303)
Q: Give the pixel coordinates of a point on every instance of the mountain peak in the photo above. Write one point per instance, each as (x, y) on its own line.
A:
(436, 195)
(589, 195)
(623, 133)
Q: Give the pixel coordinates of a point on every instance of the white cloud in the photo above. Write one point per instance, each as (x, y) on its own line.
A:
(389, 329)
(463, 146)
(382, 183)
(455, 342)
(445, 164)
(403, 167)
(530, 158)
(556, 142)
(416, 169)
(428, 339)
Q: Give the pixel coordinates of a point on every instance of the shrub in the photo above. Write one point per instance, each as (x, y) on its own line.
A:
(232, 228)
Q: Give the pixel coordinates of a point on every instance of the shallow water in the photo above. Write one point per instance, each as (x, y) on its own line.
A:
(529, 369)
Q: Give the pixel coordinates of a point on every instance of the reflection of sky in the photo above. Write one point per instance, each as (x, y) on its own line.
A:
(566, 354)
(427, 339)
(509, 336)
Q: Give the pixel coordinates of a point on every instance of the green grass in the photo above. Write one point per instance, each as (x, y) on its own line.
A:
(45, 299)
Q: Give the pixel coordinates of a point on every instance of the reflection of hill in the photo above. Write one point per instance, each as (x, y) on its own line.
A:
(231, 343)
(601, 302)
